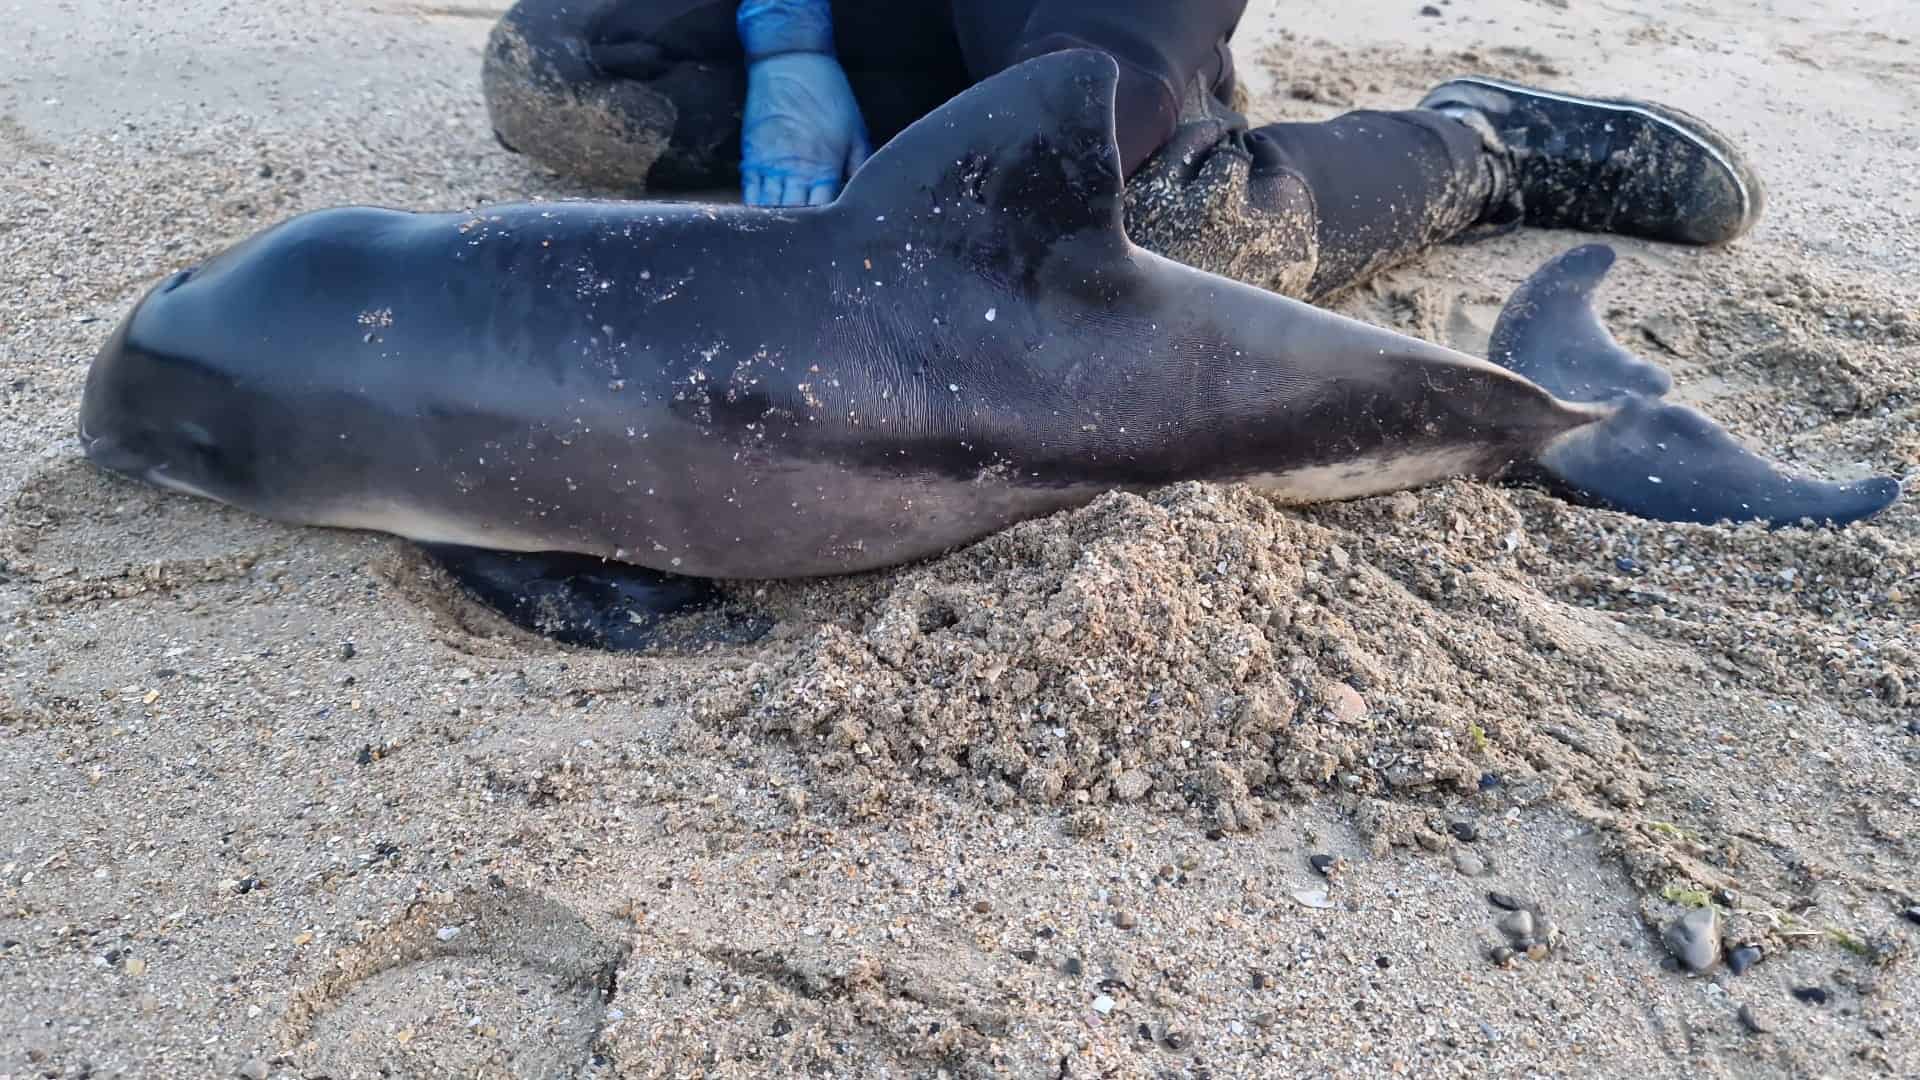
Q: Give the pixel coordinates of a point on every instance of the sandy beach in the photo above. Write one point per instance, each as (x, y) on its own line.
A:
(1177, 785)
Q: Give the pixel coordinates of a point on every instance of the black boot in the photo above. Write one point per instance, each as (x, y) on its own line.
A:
(1608, 166)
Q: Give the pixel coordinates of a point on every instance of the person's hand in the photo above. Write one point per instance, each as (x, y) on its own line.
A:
(802, 134)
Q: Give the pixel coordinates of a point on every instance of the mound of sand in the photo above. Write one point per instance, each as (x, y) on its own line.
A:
(1204, 652)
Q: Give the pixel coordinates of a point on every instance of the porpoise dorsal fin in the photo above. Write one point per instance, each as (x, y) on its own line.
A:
(1031, 153)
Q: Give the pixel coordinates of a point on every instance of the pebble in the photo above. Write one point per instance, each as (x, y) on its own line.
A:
(1344, 702)
(1812, 995)
(254, 1070)
(1313, 898)
(1125, 920)
(1753, 1021)
(1177, 1040)
(1469, 864)
(1694, 939)
(1074, 966)
(1913, 915)
(447, 933)
(1510, 903)
(1324, 863)
(981, 907)
(1261, 981)
(1103, 1004)
(1463, 831)
(347, 651)
(1517, 925)
(1742, 958)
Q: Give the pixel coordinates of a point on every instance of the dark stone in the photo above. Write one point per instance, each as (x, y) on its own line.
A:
(1463, 831)
(1812, 995)
(1430, 11)
(1913, 915)
(1490, 780)
(781, 1028)
(1260, 980)
(1178, 1040)
(1742, 958)
(1027, 955)
(1508, 903)
(1323, 863)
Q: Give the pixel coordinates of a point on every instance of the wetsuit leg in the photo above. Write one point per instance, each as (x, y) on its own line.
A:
(1384, 186)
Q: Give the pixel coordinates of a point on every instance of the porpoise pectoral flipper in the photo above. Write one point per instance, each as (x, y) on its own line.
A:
(1651, 458)
(582, 600)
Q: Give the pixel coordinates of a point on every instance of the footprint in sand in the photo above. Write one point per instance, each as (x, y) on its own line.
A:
(501, 982)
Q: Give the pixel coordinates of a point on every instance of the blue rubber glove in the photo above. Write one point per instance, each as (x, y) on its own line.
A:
(802, 133)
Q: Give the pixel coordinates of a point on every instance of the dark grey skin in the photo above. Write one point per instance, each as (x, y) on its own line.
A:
(965, 339)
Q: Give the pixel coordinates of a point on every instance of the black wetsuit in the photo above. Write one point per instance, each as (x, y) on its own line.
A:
(1370, 187)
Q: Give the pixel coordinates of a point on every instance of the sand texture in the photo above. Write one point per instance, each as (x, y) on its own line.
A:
(1173, 785)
